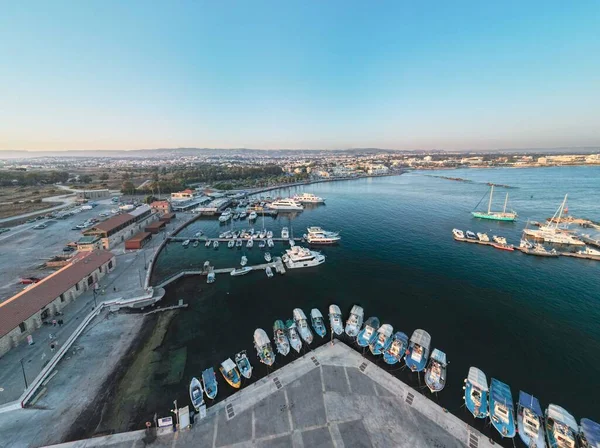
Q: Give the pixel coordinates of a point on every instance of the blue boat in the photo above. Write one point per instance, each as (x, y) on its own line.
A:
(529, 421)
(476, 393)
(383, 339)
(418, 350)
(435, 374)
(502, 413)
(561, 427)
(210, 383)
(369, 332)
(317, 322)
(589, 433)
(394, 353)
(196, 393)
(243, 363)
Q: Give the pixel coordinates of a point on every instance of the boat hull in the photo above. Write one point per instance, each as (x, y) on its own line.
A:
(234, 382)
(414, 365)
(477, 411)
(493, 217)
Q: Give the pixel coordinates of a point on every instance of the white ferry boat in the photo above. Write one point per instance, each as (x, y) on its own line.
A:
(300, 257)
(308, 198)
(286, 205)
(316, 235)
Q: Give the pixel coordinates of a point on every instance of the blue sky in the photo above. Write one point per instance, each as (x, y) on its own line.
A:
(299, 74)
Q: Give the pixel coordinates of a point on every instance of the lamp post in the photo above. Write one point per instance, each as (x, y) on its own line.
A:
(94, 292)
(24, 377)
(176, 412)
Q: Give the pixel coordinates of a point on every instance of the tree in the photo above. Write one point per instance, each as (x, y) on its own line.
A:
(104, 176)
(126, 176)
(86, 178)
(127, 187)
(149, 199)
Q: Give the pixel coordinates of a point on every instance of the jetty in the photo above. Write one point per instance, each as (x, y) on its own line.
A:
(203, 239)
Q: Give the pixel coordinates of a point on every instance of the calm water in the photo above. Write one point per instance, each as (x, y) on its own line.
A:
(531, 322)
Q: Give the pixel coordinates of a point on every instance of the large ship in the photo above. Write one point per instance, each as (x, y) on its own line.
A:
(300, 257)
(316, 235)
(496, 216)
(286, 205)
(308, 198)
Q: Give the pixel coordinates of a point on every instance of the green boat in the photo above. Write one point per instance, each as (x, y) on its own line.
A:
(496, 216)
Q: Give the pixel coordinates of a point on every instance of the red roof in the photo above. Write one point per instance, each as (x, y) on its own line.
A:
(159, 204)
(141, 236)
(112, 223)
(25, 304)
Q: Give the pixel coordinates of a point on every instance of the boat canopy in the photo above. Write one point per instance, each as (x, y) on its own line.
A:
(228, 365)
(357, 310)
(439, 356)
(421, 337)
(299, 314)
(372, 322)
(559, 414)
(260, 337)
(315, 313)
(501, 393)
(591, 431)
(529, 401)
(401, 336)
(386, 329)
(334, 309)
(279, 325)
(478, 379)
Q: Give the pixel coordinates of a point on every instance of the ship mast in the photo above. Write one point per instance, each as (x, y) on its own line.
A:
(562, 207)
(490, 201)
(505, 202)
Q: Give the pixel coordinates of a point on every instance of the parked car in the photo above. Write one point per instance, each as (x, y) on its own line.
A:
(40, 226)
(68, 249)
(4, 230)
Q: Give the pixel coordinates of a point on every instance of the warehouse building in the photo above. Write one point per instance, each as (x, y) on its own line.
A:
(138, 241)
(117, 229)
(156, 227)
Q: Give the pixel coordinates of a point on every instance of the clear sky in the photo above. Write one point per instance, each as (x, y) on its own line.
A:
(299, 74)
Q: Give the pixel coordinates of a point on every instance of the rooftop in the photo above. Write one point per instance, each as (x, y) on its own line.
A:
(141, 236)
(91, 239)
(112, 223)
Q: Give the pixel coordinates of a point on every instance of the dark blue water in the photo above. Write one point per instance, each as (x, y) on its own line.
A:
(531, 322)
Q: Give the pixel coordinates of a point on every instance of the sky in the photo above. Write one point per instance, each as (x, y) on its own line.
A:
(299, 74)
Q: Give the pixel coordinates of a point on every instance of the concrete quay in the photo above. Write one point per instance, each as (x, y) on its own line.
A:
(331, 397)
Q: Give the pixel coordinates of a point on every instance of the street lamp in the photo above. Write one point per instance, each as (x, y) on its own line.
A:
(24, 377)
(94, 292)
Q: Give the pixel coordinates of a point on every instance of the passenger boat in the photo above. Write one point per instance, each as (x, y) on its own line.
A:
(210, 278)
(300, 257)
(302, 324)
(561, 428)
(476, 393)
(316, 235)
(270, 243)
(281, 341)
(215, 244)
(196, 393)
(393, 354)
(269, 271)
(483, 237)
(308, 198)
(355, 321)
(293, 335)
(435, 374)
(231, 244)
(502, 409)
(368, 333)
(268, 257)
(186, 243)
(239, 243)
(244, 260)
(231, 374)
(210, 383)
(589, 433)
(262, 344)
(382, 340)
(252, 216)
(458, 234)
(471, 235)
(317, 322)
(335, 320)
(418, 350)
(285, 234)
(286, 205)
(496, 216)
(243, 364)
(208, 243)
(240, 271)
(529, 421)
(196, 243)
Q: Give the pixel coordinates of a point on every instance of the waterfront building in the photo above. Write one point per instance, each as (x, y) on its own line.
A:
(161, 207)
(185, 194)
(89, 243)
(138, 240)
(117, 229)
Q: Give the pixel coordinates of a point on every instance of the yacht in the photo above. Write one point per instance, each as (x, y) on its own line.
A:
(418, 350)
(496, 216)
(354, 321)
(293, 336)
(225, 216)
(383, 339)
(285, 233)
(316, 235)
(476, 393)
(302, 324)
(252, 215)
(281, 341)
(393, 354)
(589, 251)
(335, 320)
(529, 421)
(435, 374)
(262, 344)
(317, 322)
(501, 409)
(308, 198)
(300, 257)
(458, 234)
(286, 205)
(367, 335)
(561, 428)
(483, 237)
(243, 364)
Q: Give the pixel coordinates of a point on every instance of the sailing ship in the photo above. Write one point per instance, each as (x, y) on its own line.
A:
(354, 321)
(196, 393)
(502, 409)
(335, 320)
(318, 324)
(418, 350)
(231, 374)
(210, 383)
(496, 216)
(262, 344)
(368, 334)
(243, 364)
(382, 340)
(281, 341)
(435, 374)
(393, 354)
(529, 421)
(293, 335)
(551, 232)
(302, 323)
(476, 393)
(561, 428)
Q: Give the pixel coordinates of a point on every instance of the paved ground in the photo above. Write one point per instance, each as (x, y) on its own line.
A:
(332, 397)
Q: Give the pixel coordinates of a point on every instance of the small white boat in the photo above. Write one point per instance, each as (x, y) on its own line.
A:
(269, 271)
(250, 243)
(285, 234)
(208, 243)
(240, 271)
(355, 321)
(302, 324)
(262, 244)
(244, 261)
(239, 243)
(292, 242)
(269, 234)
(335, 319)
(206, 265)
(243, 215)
(262, 233)
(215, 244)
(186, 243)
(196, 243)
(268, 257)
(231, 244)
(252, 216)
(210, 278)
(458, 233)
(499, 239)
(270, 242)
(196, 393)
(199, 234)
(483, 237)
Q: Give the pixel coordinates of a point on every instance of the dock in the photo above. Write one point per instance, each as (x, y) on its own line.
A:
(203, 239)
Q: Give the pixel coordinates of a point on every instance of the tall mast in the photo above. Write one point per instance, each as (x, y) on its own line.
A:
(490, 201)
(562, 207)
(505, 202)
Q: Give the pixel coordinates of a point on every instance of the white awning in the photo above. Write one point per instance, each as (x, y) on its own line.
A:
(478, 379)
(228, 365)
(559, 414)
(260, 337)
(421, 337)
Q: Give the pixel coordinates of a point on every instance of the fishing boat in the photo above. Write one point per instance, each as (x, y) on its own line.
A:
(302, 324)
(383, 339)
(529, 421)
(435, 374)
(210, 278)
(502, 409)
(369, 332)
(269, 271)
(196, 393)
(589, 433)
(239, 243)
(208, 243)
(285, 234)
(458, 234)
(418, 350)
(186, 243)
(561, 428)
(243, 364)
(393, 354)
(335, 320)
(496, 216)
(293, 335)
(196, 243)
(244, 260)
(231, 244)
(252, 216)
(268, 257)
(476, 393)
(240, 271)
(231, 374)
(250, 243)
(354, 321)
(317, 322)
(262, 344)
(281, 341)
(483, 237)
(210, 383)
(470, 235)
(215, 244)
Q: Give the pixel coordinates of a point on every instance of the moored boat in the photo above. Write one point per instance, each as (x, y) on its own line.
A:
(589, 433)
(502, 409)
(476, 393)
(435, 374)
(231, 244)
(483, 237)
(244, 260)
(270, 243)
(252, 216)
(335, 319)
(300, 257)
(529, 421)
(250, 243)
(496, 216)
(281, 341)
(268, 257)
(196, 243)
(458, 234)
(196, 393)
(369, 332)
(243, 364)
(382, 340)
(561, 428)
(317, 322)
(210, 383)
(354, 321)
(207, 243)
(269, 271)
(293, 335)
(210, 278)
(285, 234)
(215, 244)
(239, 243)
(302, 324)
(393, 354)
(471, 235)
(231, 374)
(308, 198)
(262, 344)
(240, 271)
(186, 243)
(316, 235)
(418, 350)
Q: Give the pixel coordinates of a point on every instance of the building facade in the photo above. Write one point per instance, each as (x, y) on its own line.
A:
(119, 228)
